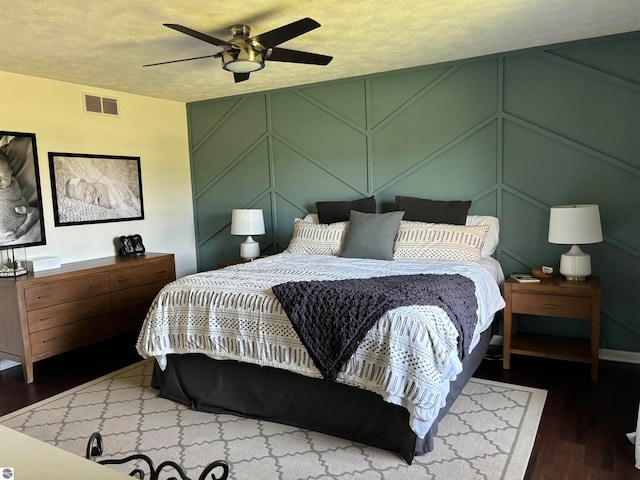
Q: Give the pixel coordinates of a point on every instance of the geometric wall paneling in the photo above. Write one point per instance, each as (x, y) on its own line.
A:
(205, 115)
(240, 185)
(346, 99)
(217, 150)
(338, 146)
(455, 104)
(621, 272)
(216, 250)
(267, 243)
(524, 227)
(390, 91)
(222, 245)
(286, 212)
(617, 56)
(617, 336)
(303, 182)
(590, 109)
(529, 156)
(515, 133)
(486, 204)
(459, 172)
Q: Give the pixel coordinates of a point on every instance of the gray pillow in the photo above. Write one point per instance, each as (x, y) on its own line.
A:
(371, 235)
(332, 212)
(453, 212)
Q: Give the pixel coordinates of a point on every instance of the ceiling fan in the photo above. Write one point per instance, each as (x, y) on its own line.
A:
(243, 54)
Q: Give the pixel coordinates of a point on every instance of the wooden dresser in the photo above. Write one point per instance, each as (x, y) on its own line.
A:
(50, 312)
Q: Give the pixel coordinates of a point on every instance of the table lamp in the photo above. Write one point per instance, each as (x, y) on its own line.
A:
(248, 222)
(575, 225)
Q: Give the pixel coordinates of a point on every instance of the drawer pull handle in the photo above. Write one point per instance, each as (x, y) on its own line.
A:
(123, 279)
(40, 297)
(550, 305)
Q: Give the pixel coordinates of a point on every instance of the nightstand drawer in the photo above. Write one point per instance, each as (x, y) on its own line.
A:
(551, 305)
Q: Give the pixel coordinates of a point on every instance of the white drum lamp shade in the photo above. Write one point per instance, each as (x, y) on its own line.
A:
(575, 225)
(248, 221)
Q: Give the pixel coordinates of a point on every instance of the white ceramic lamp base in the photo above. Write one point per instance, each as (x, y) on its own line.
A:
(249, 249)
(575, 264)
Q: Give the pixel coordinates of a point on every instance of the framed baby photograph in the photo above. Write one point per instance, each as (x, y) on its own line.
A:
(21, 219)
(91, 188)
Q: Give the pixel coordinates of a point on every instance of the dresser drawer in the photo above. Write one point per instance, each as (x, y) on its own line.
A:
(141, 294)
(64, 313)
(53, 293)
(70, 335)
(139, 275)
(551, 305)
(130, 318)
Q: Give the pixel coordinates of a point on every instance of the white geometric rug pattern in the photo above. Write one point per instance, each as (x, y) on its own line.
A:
(488, 434)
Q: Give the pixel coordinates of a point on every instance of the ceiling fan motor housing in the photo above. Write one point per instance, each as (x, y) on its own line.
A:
(242, 56)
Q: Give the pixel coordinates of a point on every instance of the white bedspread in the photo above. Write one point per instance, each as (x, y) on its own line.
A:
(409, 357)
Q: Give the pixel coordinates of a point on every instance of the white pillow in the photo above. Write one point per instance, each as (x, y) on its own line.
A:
(316, 238)
(312, 218)
(490, 242)
(493, 235)
(439, 241)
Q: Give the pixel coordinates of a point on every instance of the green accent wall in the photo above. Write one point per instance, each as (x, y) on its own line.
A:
(516, 133)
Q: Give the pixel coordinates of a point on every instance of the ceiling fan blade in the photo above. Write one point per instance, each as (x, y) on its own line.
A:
(240, 77)
(296, 56)
(181, 60)
(282, 34)
(200, 36)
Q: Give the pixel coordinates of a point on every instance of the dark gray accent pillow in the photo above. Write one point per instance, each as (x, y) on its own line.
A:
(453, 212)
(371, 235)
(332, 212)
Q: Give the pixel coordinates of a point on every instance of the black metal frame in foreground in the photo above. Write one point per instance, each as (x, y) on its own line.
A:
(95, 449)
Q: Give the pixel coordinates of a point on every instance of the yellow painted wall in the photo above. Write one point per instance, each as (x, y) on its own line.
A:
(152, 129)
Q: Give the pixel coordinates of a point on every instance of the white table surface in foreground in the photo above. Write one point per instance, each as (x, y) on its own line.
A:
(33, 459)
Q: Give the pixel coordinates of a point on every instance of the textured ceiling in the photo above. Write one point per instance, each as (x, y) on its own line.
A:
(104, 43)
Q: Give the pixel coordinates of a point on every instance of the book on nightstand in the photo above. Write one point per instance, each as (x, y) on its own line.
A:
(524, 278)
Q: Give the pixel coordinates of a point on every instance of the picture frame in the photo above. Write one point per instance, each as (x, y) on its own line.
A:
(90, 188)
(21, 217)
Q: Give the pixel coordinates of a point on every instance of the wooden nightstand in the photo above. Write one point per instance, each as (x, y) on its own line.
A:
(555, 297)
(237, 261)
(232, 262)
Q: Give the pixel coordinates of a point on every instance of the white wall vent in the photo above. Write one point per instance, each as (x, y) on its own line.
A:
(102, 105)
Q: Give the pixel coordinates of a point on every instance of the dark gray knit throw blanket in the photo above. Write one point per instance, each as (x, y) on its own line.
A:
(332, 317)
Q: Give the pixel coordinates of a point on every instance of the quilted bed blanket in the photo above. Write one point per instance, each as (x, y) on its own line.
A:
(408, 357)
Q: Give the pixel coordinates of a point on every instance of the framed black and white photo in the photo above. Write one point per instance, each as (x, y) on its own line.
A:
(95, 188)
(21, 219)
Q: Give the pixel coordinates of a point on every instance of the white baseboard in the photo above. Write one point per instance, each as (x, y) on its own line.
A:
(4, 364)
(619, 356)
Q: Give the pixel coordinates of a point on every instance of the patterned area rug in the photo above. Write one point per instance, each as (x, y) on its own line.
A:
(488, 434)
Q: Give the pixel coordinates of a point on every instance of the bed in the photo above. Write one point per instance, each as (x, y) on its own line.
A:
(224, 342)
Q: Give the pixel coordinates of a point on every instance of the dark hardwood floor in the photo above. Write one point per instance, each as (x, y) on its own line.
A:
(581, 434)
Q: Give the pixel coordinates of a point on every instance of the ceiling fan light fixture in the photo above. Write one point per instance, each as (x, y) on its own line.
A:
(243, 66)
(242, 59)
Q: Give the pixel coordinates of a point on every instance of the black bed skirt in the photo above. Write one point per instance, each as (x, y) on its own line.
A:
(226, 386)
